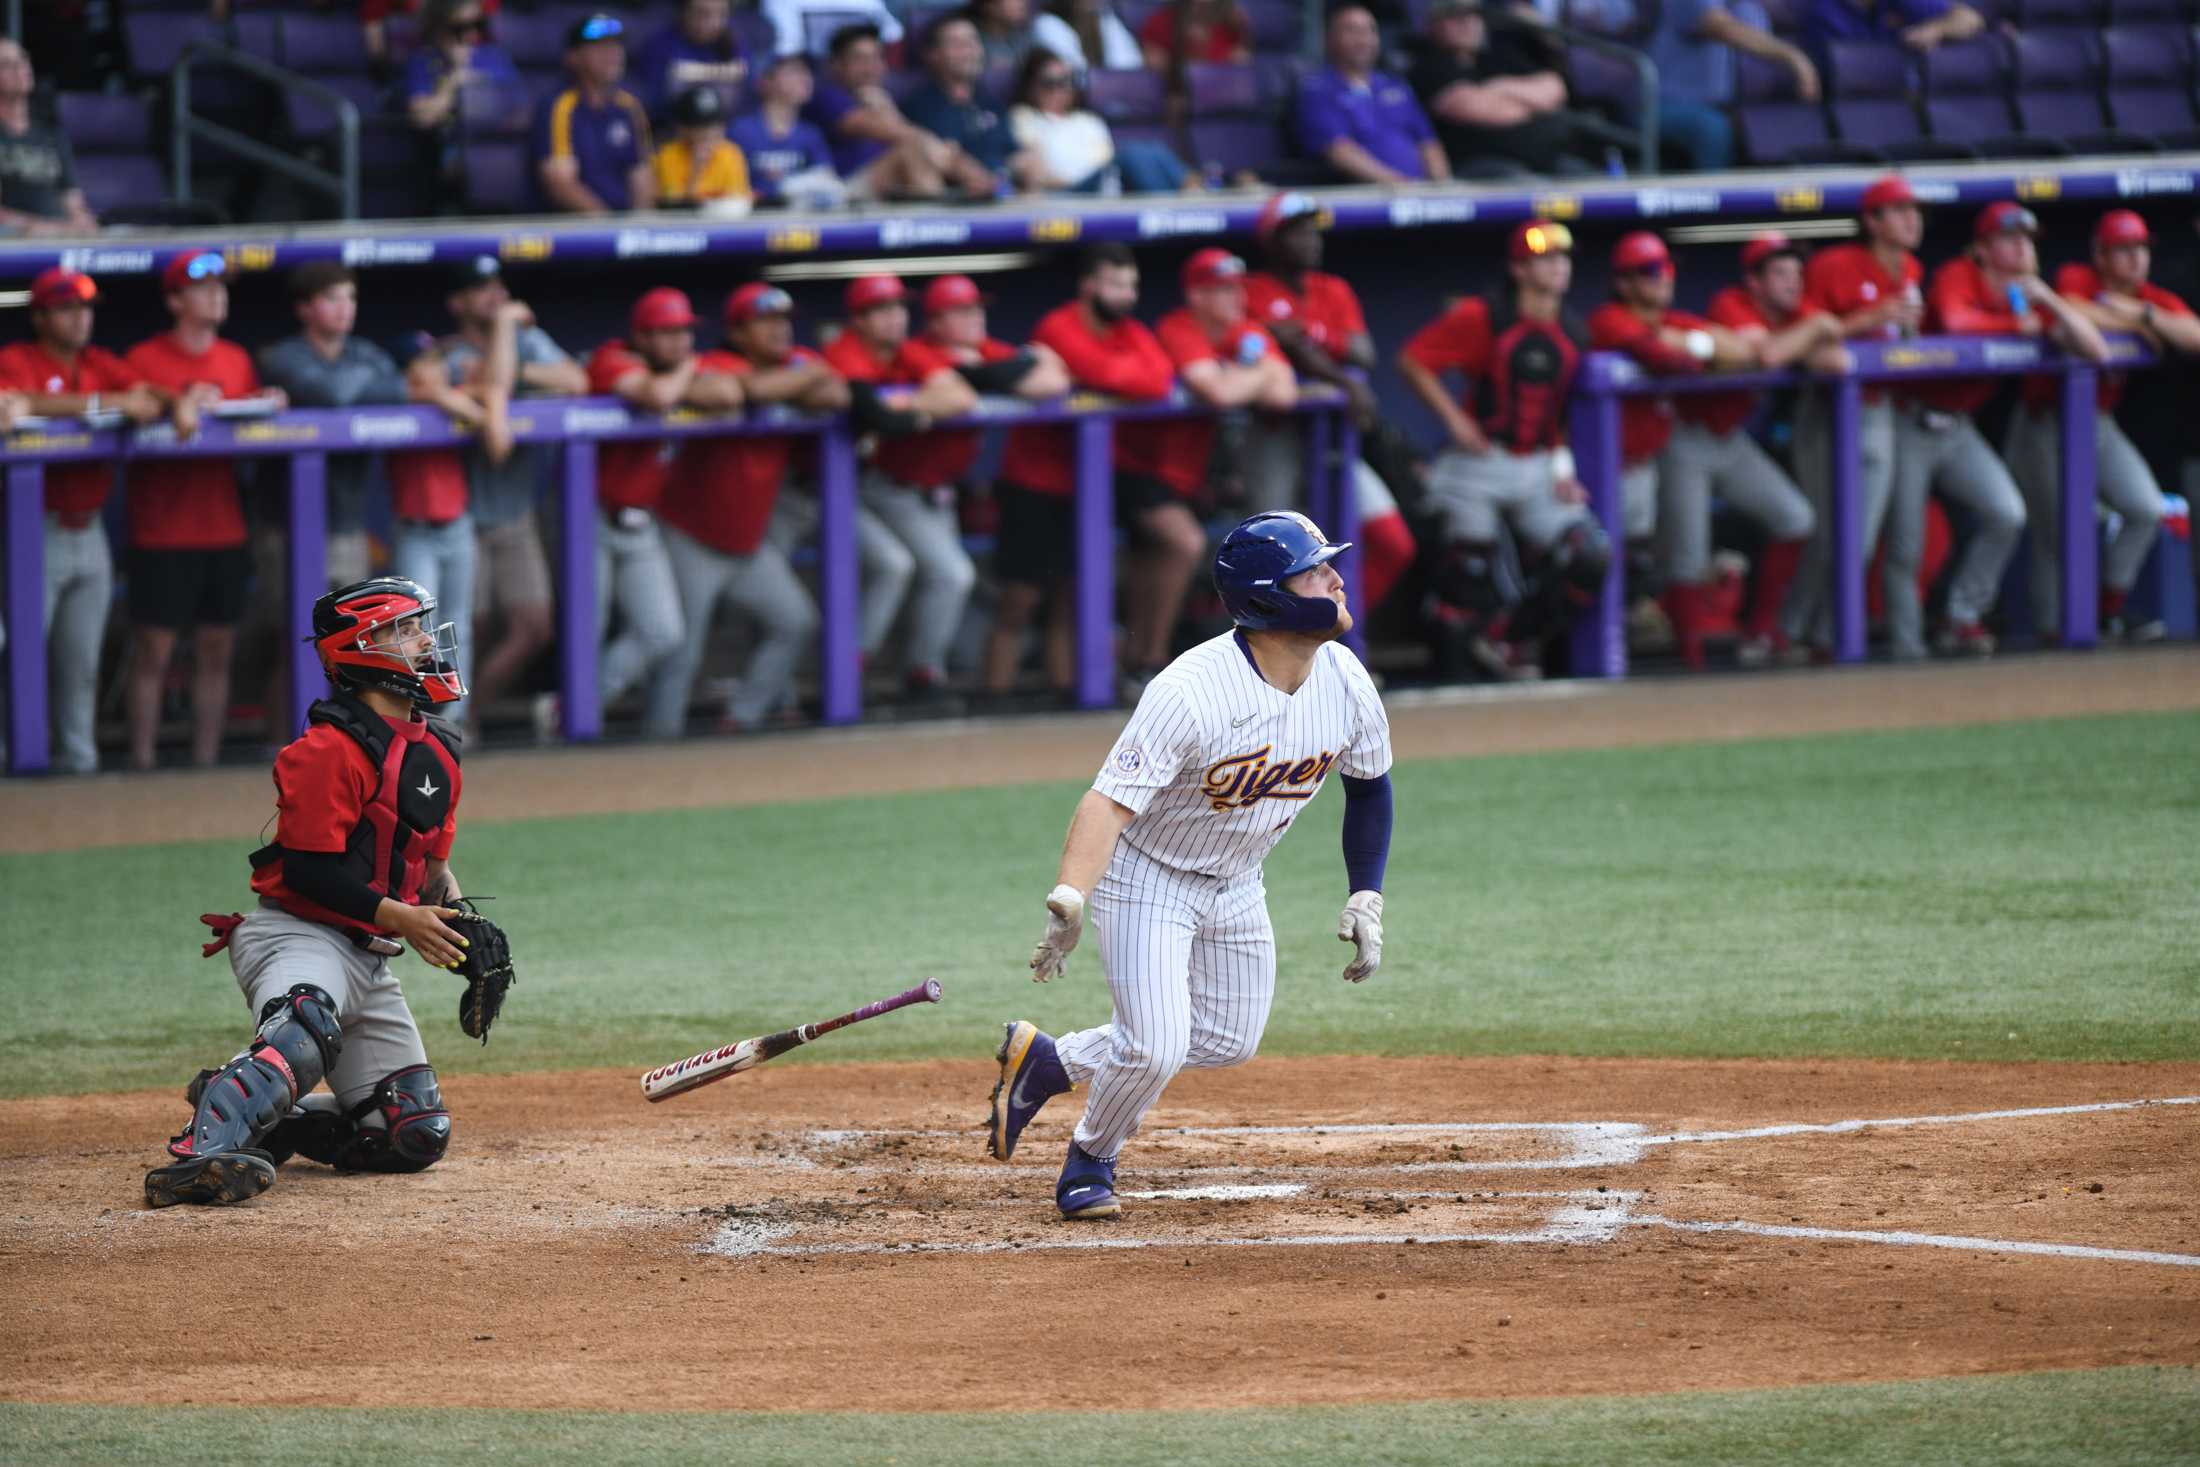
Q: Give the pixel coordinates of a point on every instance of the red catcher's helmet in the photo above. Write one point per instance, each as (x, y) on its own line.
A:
(355, 631)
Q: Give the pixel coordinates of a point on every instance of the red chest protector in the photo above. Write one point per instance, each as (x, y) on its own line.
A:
(388, 849)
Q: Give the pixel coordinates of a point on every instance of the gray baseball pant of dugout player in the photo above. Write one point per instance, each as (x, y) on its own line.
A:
(1809, 615)
(441, 557)
(633, 572)
(1471, 491)
(765, 586)
(80, 585)
(1697, 462)
(1946, 451)
(925, 528)
(888, 565)
(2034, 451)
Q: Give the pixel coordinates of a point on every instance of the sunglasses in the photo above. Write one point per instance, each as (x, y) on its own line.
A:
(1548, 239)
(206, 267)
(471, 27)
(2018, 221)
(601, 28)
(772, 303)
(1656, 270)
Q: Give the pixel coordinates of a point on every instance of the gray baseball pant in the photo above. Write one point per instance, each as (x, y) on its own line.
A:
(1809, 614)
(1275, 454)
(80, 585)
(271, 951)
(887, 564)
(2034, 451)
(441, 557)
(633, 572)
(765, 586)
(924, 524)
(1472, 491)
(1946, 452)
(1696, 463)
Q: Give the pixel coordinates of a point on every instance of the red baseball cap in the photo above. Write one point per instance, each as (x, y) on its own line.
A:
(1641, 252)
(2004, 216)
(191, 267)
(663, 309)
(59, 287)
(867, 291)
(1284, 208)
(1767, 246)
(2117, 227)
(1891, 190)
(758, 298)
(1213, 267)
(1538, 237)
(950, 292)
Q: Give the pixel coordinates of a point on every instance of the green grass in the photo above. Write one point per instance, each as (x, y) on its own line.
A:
(2000, 892)
(2132, 1418)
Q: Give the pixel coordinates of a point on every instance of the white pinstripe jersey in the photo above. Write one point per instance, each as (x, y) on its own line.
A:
(1216, 762)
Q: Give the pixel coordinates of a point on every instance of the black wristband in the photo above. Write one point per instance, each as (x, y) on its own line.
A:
(873, 416)
(1000, 376)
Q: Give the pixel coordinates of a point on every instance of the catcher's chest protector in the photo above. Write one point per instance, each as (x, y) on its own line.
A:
(388, 849)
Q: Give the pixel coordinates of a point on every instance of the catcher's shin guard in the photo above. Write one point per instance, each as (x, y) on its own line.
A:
(218, 1159)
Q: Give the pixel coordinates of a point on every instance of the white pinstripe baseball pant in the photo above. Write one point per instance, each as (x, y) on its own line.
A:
(1191, 965)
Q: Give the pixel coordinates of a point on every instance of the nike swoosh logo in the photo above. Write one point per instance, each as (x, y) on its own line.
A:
(1241, 722)
(1017, 1097)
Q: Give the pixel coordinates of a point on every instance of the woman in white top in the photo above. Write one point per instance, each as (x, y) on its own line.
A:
(1077, 154)
(1087, 33)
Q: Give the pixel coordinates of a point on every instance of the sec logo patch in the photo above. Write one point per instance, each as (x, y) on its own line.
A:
(1129, 761)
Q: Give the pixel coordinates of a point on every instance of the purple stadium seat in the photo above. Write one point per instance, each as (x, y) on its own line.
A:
(2159, 12)
(1236, 143)
(753, 31)
(818, 27)
(261, 36)
(154, 40)
(1126, 96)
(2149, 81)
(316, 44)
(535, 40)
(496, 176)
(1133, 13)
(1144, 132)
(1967, 96)
(2057, 89)
(2054, 61)
(310, 117)
(2034, 13)
(1773, 125)
(112, 181)
(1222, 90)
(1593, 76)
(1278, 25)
(1279, 79)
(1871, 107)
(1786, 16)
(96, 122)
(494, 112)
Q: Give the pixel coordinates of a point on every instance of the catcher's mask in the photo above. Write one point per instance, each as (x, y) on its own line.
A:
(381, 633)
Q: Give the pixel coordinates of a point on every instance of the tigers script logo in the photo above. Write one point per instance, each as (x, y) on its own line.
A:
(1247, 779)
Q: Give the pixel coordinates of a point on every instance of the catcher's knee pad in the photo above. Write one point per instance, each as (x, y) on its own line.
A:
(1578, 559)
(415, 1129)
(1467, 577)
(237, 1105)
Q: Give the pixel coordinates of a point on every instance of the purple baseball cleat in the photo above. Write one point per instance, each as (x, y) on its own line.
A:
(1031, 1075)
(1087, 1186)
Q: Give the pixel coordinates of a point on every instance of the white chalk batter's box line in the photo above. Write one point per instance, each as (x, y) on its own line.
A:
(1581, 1217)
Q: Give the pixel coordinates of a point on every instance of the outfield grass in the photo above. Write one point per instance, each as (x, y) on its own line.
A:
(2140, 1417)
(2001, 892)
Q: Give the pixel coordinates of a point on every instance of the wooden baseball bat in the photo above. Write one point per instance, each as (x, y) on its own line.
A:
(712, 1065)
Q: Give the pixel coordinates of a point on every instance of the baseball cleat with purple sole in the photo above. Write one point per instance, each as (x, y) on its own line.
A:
(1031, 1075)
(1087, 1186)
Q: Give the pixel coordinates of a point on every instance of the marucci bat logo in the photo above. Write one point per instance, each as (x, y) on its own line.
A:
(1247, 779)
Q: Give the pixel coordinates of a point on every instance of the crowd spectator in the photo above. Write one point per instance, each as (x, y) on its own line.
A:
(789, 162)
(455, 56)
(591, 139)
(1069, 145)
(1364, 122)
(59, 373)
(1993, 289)
(38, 192)
(188, 565)
(949, 106)
(1500, 112)
(699, 49)
(1087, 34)
(1920, 25)
(1005, 30)
(700, 166)
(906, 489)
(499, 352)
(1215, 32)
(803, 27)
(1105, 350)
(731, 522)
(879, 153)
(374, 18)
(1694, 46)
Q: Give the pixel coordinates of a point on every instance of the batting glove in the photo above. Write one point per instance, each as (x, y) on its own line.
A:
(1065, 924)
(1361, 924)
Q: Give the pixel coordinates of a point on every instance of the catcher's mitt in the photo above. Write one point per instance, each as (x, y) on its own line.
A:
(487, 969)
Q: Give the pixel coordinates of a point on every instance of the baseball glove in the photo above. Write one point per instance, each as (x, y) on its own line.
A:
(487, 969)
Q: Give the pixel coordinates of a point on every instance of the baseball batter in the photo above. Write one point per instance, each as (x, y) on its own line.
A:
(1227, 745)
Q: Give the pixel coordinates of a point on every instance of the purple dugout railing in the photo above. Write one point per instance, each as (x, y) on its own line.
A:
(306, 438)
(1600, 642)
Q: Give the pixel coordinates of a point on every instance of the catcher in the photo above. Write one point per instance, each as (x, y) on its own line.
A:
(366, 811)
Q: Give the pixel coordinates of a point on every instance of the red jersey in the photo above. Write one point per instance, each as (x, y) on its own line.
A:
(428, 485)
(1176, 451)
(722, 490)
(325, 783)
(73, 490)
(629, 475)
(1843, 279)
(1645, 420)
(913, 459)
(188, 503)
(945, 457)
(1324, 308)
(1519, 372)
(2083, 283)
(1963, 302)
(1216, 43)
(1123, 360)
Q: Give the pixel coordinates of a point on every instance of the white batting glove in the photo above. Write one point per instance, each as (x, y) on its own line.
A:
(1065, 924)
(1361, 924)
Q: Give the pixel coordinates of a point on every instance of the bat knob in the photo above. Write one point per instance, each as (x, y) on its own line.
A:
(931, 990)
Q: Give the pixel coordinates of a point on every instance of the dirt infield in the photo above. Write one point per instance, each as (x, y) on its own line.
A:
(830, 1236)
(1327, 1230)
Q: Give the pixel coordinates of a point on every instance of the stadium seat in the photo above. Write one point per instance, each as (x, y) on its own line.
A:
(1235, 143)
(496, 175)
(1870, 84)
(321, 44)
(2058, 92)
(535, 40)
(494, 112)
(153, 41)
(1967, 99)
(1773, 126)
(1278, 25)
(1127, 96)
(1597, 80)
(2158, 12)
(818, 26)
(113, 141)
(1223, 91)
(2032, 14)
(752, 30)
(312, 118)
(1784, 16)
(2149, 72)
